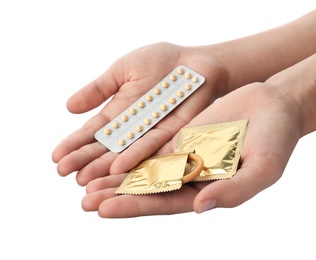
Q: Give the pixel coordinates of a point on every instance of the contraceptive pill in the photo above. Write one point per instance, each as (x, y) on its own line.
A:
(149, 109)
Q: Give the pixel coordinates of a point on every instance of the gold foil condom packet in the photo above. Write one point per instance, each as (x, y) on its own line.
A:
(162, 173)
(219, 145)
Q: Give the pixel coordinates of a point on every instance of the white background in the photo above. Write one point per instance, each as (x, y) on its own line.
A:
(50, 49)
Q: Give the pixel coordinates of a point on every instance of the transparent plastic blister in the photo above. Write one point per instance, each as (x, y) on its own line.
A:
(148, 110)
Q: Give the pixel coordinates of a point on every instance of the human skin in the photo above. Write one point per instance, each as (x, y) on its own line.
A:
(280, 111)
(226, 66)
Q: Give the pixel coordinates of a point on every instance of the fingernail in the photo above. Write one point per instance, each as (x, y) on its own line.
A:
(207, 205)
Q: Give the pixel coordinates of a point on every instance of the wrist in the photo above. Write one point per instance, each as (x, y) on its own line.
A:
(257, 57)
(297, 86)
(208, 64)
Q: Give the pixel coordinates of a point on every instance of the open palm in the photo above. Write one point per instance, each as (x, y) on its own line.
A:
(272, 133)
(124, 82)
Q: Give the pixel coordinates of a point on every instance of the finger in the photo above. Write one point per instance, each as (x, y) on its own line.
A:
(140, 150)
(107, 182)
(148, 144)
(96, 92)
(101, 189)
(78, 139)
(97, 168)
(124, 206)
(85, 134)
(91, 201)
(80, 158)
(247, 182)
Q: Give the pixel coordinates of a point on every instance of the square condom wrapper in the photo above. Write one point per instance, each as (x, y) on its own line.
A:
(219, 145)
(156, 174)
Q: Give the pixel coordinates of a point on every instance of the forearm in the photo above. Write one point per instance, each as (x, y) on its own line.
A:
(257, 57)
(297, 85)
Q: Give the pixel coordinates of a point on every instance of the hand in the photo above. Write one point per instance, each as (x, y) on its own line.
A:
(127, 79)
(273, 130)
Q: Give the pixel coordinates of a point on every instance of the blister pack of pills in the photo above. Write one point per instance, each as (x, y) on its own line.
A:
(148, 110)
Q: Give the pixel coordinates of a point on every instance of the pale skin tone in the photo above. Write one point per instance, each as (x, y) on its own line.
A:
(135, 74)
(226, 67)
(277, 120)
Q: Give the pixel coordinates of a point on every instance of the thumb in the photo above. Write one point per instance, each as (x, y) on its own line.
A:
(96, 92)
(232, 192)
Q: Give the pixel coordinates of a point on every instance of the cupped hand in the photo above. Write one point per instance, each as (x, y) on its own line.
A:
(121, 85)
(273, 130)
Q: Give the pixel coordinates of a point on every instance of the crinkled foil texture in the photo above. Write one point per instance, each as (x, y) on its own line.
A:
(219, 145)
(156, 174)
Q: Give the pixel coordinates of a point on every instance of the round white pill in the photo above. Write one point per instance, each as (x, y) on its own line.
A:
(107, 131)
(141, 104)
(124, 118)
(155, 114)
(138, 128)
(149, 98)
(147, 121)
(130, 135)
(163, 107)
(173, 77)
(115, 124)
(172, 100)
(180, 71)
(180, 94)
(187, 87)
(165, 84)
(187, 75)
(157, 91)
(121, 142)
(133, 111)
(195, 79)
